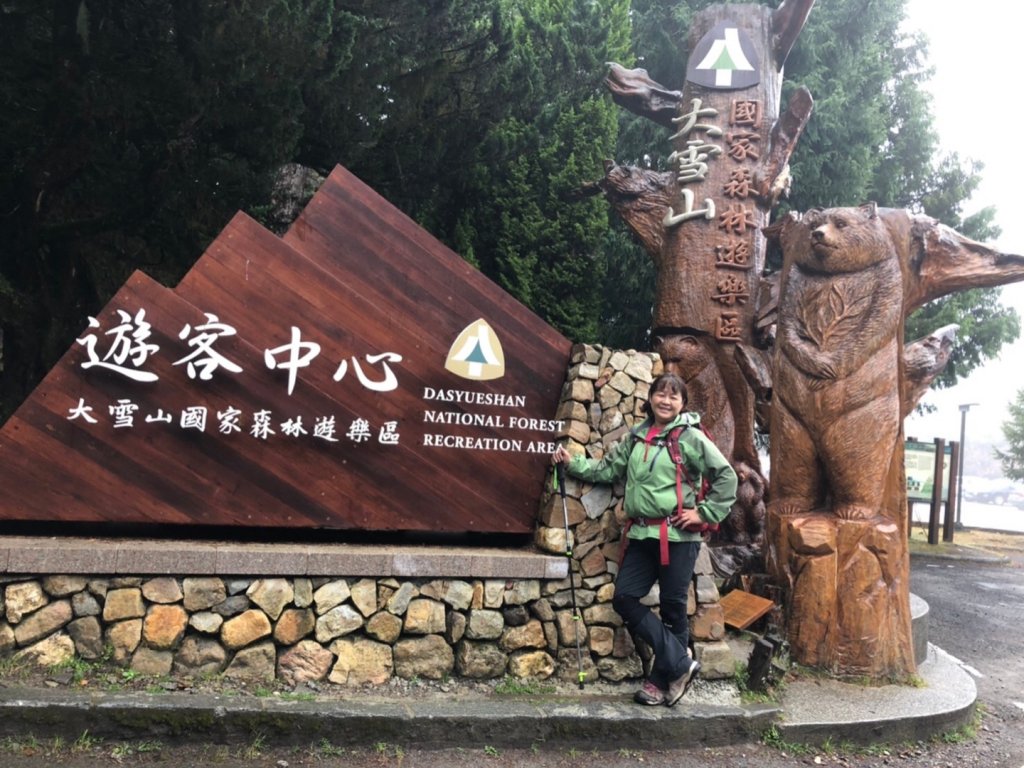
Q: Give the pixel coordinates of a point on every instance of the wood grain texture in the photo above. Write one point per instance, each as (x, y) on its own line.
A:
(358, 278)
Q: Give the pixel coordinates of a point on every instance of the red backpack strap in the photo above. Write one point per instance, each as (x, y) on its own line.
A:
(698, 493)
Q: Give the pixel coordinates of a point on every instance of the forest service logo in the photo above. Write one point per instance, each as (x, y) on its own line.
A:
(476, 354)
(724, 59)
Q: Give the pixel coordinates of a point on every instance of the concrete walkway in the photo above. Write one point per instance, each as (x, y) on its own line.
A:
(810, 711)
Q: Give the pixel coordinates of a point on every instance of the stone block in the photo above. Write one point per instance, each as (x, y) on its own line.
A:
(272, 595)
(202, 593)
(428, 656)
(244, 629)
(530, 635)
(85, 604)
(148, 661)
(232, 606)
(594, 563)
(619, 669)
(385, 627)
(708, 623)
(63, 586)
(87, 636)
(308, 661)
(207, 622)
(584, 370)
(480, 661)
(398, 603)
(459, 594)
(597, 500)
(707, 590)
(7, 641)
(350, 562)
(43, 622)
(568, 627)
(331, 595)
(164, 590)
(66, 555)
(55, 649)
(485, 625)
(124, 637)
(364, 596)
(640, 368)
(534, 665)
(602, 641)
(338, 621)
(716, 658)
(424, 617)
(257, 663)
(303, 589)
(361, 662)
(23, 598)
(199, 656)
(580, 390)
(550, 539)
(293, 625)
(164, 627)
(522, 592)
(601, 613)
(123, 604)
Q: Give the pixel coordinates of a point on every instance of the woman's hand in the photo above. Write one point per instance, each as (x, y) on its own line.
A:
(560, 456)
(686, 517)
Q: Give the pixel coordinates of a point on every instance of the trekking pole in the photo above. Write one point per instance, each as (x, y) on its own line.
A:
(580, 674)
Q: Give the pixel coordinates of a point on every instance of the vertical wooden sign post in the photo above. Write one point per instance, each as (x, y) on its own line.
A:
(701, 220)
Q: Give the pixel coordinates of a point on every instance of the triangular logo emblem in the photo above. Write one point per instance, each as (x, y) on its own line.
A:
(724, 59)
(476, 354)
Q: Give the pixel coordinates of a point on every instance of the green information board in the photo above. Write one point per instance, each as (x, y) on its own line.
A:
(919, 463)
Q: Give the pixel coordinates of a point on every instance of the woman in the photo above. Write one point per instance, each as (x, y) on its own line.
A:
(662, 502)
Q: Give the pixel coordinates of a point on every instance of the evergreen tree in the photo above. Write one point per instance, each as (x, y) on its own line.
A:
(1012, 458)
(521, 220)
(132, 130)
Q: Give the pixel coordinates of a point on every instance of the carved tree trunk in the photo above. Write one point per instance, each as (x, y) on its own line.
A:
(837, 522)
(701, 221)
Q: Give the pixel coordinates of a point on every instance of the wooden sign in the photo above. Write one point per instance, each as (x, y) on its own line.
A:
(742, 608)
(355, 374)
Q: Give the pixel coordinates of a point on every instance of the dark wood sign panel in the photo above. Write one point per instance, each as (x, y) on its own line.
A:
(374, 428)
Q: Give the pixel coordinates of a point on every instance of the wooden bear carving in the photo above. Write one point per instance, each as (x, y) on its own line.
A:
(836, 523)
(837, 406)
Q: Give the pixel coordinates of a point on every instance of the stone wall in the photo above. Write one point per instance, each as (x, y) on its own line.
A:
(363, 629)
(602, 400)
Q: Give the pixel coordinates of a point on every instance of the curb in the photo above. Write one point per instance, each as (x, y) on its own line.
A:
(815, 711)
(830, 711)
(181, 718)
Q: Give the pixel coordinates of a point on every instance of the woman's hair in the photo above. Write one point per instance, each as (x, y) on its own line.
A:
(670, 381)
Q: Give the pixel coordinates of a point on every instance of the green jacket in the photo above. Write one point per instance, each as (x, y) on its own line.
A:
(650, 476)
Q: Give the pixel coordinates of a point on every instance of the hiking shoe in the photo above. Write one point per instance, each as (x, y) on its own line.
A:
(649, 694)
(681, 684)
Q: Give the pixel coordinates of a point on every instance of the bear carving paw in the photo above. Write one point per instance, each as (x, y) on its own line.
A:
(854, 512)
(790, 507)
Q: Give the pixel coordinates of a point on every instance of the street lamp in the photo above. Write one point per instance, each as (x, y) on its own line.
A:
(964, 408)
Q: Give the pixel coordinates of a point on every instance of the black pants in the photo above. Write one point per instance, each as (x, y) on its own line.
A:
(668, 636)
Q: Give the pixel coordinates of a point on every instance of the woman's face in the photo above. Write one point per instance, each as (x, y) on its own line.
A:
(665, 405)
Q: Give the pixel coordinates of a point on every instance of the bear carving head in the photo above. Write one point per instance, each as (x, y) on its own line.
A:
(844, 240)
(683, 355)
